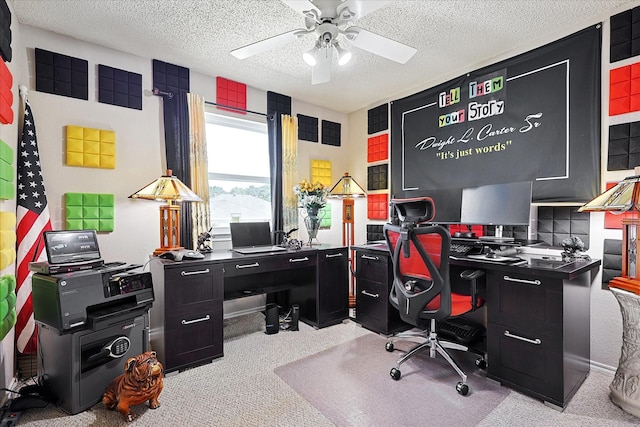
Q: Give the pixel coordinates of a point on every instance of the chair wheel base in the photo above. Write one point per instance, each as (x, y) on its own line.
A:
(462, 388)
(388, 346)
(395, 373)
(481, 363)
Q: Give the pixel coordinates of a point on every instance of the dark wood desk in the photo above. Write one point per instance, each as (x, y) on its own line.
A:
(187, 316)
(538, 321)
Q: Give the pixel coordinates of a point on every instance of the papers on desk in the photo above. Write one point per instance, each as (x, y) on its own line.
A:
(497, 259)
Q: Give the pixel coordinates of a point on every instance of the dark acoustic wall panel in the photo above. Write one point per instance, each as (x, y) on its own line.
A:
(374, 232)
(519, 232)
(61, 74)
(611, 261)
(624, 146)
(278, 103)
(556, 223)
(625, 35)
(169, 77)
(377, 177)
(119, 87)
(378, 119)
(307, 128)
(5, 31)
(331, 133)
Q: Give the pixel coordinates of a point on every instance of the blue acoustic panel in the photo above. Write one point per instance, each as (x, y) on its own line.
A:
(119, 87)
(307, 128)
(331, 133)
(278, 103)
(170, 78)
(625, 35)
(377, 177)
(61, 74)
(624, 146)
(5, 31)
(378, 119)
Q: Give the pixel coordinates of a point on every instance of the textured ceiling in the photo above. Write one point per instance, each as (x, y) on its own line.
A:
(451, 37)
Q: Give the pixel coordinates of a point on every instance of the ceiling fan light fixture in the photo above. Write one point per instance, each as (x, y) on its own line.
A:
(344, 55)
(310, 56)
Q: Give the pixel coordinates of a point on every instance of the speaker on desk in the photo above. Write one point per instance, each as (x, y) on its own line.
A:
(272, 319)
(295, 315)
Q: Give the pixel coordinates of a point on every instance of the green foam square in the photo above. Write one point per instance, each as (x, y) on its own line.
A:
(7, 190)
(90, 212)
(73, 199)
(73, 212)
(106, 225)
(6, 152)
(325, 222)
(74, 224)
(90, 224)
(89, 199)
(106, 200)
(6, 171)
(105, 213)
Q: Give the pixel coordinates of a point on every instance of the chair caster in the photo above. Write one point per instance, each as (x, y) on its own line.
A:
(462, 388)
(481, 363)
(389, 346)
(395, 373)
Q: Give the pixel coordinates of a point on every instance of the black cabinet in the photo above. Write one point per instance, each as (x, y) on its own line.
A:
(538, 333)
(333, 286)
(374, 277)
(186, 321)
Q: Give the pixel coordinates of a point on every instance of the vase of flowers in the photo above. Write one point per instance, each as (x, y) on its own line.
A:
(311, 198)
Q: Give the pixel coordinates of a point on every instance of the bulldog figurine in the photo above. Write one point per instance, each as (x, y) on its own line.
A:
(141, 381)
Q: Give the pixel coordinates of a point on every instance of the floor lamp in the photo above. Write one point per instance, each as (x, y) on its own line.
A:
(170, 189)
(347, 189)
(625, 197)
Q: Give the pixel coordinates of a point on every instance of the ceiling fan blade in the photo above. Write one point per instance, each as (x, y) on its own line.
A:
(321, 72)
(302, 6)
(379, 45)
(264, 45)
(360, 8)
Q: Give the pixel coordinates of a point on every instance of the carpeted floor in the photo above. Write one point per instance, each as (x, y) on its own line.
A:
(242, 389)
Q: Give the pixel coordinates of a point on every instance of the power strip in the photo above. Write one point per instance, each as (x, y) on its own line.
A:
(9, 417)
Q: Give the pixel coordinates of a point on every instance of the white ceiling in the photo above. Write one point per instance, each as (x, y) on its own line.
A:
(452, 37)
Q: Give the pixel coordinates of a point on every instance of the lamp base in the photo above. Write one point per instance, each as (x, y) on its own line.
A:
(352, 301)
(160, 251)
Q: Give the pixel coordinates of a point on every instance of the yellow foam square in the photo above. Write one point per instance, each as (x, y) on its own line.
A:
(108, 162)
(321, 171)
(75, 132)
(75, 145)
(91, 134)
(107, 136)
(107, 149)
(91, 160)
(91, 147)
(75, 159)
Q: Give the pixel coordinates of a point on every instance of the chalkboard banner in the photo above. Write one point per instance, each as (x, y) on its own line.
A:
(534, 117)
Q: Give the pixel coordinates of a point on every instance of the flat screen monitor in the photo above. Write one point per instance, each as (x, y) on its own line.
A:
(447, 204)
(497, 204)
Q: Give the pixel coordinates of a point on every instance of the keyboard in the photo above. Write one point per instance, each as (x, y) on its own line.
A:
(460, 249)
(460, 330)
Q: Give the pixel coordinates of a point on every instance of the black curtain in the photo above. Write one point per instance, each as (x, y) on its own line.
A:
(274, 126)
(176, 139)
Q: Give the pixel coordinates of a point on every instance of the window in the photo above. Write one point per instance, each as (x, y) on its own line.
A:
(239, 173)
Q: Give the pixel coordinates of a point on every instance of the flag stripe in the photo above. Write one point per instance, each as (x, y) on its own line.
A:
(33, 217)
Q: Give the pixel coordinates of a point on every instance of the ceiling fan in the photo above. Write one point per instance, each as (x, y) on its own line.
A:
(331, 23)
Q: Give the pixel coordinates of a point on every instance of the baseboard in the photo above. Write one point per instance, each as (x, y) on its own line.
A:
(603, 368)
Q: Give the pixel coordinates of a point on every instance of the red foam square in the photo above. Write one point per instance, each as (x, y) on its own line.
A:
(6, 95)
(620, 90)
(618, 106)
(232, 94)
(378, 148)
(620, 74)
(378, 206)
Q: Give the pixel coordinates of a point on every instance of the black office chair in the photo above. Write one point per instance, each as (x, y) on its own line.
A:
(421, 288)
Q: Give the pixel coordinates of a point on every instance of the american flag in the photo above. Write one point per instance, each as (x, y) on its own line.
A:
(33, 219)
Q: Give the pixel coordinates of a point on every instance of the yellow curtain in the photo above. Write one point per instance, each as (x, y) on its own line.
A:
(200, 212)
(289, 168)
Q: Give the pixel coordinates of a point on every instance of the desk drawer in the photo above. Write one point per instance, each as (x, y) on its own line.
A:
(188, 287)
(533, 362)
(524, 301)
(372, 267)
(193, 338)
(241, 267)
(372, 305)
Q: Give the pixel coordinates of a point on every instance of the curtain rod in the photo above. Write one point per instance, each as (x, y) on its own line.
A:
(235, 108)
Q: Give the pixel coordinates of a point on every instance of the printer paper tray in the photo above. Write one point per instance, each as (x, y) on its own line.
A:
(106, 317)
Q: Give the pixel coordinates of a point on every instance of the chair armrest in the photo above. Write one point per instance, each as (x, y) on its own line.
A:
(472, 276)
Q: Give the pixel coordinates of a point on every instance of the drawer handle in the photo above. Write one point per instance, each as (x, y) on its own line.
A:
(528, 282)
(255, 264)
(202, 319)
(510, 335)
(375, 258)
(190, 273)
(370, 294)
(298, 259)
(333, 255)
